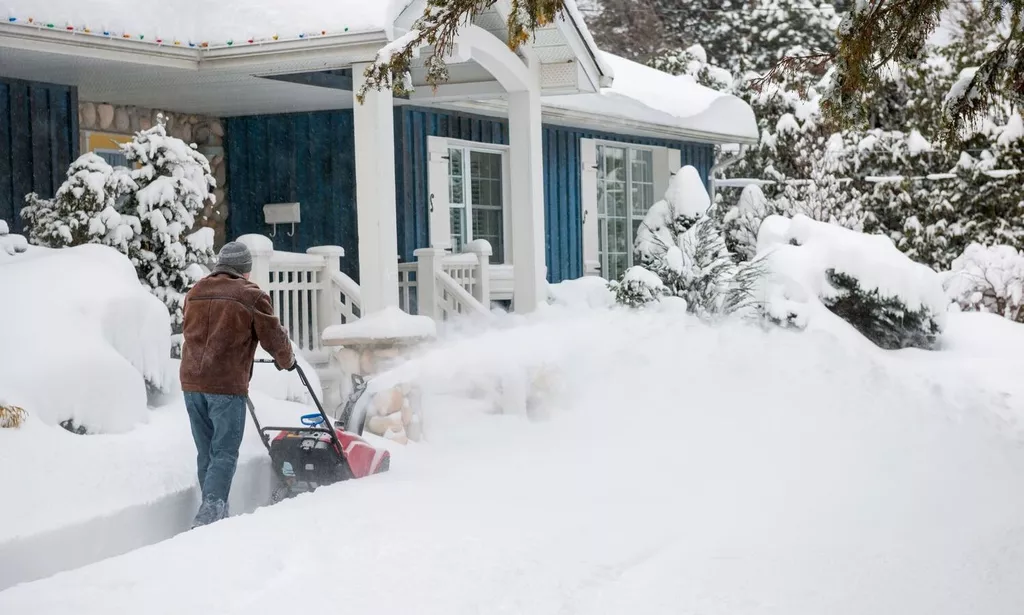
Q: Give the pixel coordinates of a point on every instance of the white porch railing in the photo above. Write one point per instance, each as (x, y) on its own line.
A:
(309, 292)
(442, 285)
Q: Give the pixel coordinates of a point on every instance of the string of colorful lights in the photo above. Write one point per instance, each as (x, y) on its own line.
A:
(159, 40)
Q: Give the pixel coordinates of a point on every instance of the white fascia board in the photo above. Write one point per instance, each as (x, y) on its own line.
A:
(576, 119)
(360, 45)
(99, 47)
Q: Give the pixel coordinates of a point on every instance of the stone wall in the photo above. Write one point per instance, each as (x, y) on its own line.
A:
(206, 132)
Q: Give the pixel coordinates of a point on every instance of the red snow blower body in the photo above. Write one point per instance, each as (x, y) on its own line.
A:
(314, 455)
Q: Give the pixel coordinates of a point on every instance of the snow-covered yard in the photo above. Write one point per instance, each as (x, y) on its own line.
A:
(682, 468)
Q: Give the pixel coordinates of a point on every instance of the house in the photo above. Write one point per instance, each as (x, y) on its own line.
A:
(552, 154)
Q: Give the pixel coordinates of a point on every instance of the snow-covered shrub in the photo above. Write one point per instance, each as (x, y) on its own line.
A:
(638, 287)
(863, 279)
(174, 184)
(85, 340)
(742, 221)
(84, 209)
(683, 253)
(886, 320)
(988, 279)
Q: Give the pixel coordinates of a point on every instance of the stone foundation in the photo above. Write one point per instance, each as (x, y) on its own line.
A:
(206, 132)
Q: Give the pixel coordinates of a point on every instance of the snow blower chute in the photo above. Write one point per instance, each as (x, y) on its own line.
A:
(315, 455)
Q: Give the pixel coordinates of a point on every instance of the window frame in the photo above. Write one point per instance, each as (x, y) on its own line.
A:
(631, 215)
(467, 148)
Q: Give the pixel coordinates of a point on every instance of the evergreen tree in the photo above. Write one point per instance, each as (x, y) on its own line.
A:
(85, 208)
(174, 184)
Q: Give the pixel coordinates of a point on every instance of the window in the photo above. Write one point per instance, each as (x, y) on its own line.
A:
(625, 192)
(114, 158)
(476, 196)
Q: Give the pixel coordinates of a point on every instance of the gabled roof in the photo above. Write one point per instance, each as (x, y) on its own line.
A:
(643, 94)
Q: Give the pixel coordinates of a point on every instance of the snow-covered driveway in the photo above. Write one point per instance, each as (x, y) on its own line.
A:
(684, 469)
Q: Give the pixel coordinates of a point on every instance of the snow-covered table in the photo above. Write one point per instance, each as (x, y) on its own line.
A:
(370, 346)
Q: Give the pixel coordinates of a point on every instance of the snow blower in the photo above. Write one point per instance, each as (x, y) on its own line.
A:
(315, 455)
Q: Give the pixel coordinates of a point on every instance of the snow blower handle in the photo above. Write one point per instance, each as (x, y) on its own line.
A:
(316, 400)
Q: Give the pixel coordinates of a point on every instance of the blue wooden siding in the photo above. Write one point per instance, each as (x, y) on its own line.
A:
(304, 157)
(562, 208)
(412, 127)
(309, 158)
(38, 141)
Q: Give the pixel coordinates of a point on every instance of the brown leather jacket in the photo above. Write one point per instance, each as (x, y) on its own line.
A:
(225, 317)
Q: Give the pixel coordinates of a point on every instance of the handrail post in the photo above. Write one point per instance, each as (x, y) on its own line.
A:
(327, 315)
(428, 264)
(482, 281)
(262, 250)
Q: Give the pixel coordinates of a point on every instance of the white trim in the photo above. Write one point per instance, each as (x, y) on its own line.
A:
(588, 207)
(439, 223)
(506, 191)
(631, 214)
(575, 119)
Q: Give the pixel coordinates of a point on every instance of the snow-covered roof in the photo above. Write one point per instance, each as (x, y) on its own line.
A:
(204, 21)
(643, 94)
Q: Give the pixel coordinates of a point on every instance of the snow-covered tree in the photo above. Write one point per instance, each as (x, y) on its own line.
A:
(85, 208)
(174, 184)
(683, 253)
(877, 32)
(988, 279)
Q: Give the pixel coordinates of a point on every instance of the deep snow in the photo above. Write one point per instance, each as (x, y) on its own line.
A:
(682, 469)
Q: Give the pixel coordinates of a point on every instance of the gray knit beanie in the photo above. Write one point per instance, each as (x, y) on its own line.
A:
(234, 258)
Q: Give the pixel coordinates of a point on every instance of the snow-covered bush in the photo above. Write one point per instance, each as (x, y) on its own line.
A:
(85, 341)
(174, 184)
(742, 221)
(988, 279)
(10, 244)
(638, 287)
(886, 320)
(683, 253)
(84, 209)
(863, 279)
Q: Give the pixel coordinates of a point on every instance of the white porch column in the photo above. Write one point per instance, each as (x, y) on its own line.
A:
(524, 127)
(375, 196)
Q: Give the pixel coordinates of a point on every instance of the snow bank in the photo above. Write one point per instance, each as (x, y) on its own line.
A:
(683, 468)
(198, 21)
(82, 338)
(801, 250)
(585, 292)
(76, 500)
(282, 384)
(10, 245)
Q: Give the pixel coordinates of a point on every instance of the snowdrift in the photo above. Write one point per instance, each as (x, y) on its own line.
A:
(81, 338)
(682, 468)
(802, 254)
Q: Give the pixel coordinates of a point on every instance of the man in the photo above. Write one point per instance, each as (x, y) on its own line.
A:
(226, 315)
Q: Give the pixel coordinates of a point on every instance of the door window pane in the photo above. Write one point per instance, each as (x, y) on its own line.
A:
(455, 177)
(487, 192)
(625, 190)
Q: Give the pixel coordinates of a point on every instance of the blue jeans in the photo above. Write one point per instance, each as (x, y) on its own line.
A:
(218, 422)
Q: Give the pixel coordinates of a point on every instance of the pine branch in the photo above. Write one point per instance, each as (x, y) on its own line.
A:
(439, 27)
